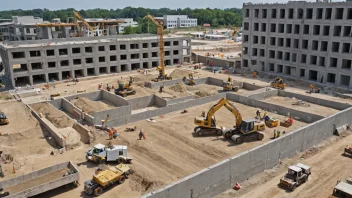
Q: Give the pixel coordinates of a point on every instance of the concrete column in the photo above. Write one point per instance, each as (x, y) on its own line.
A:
(60, 76)
(118, 68)
(129, 68)
(85, 72)
(149, 64)
(31, 79)
(108, 69)
(46, 76)
(96, 71)
(72, 74)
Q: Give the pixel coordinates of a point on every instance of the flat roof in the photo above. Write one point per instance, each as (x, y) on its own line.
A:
(295, 168)
(83, 40)
(345, 187)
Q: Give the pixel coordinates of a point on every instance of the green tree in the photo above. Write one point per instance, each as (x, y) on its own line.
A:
(214, 23)
(129, 30)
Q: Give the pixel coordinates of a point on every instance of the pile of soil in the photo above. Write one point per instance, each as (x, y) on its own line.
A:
(56, 117)
(5, 96)
(177, 73)
(178, 88)
(141, 183)
(203, 90)
(90, 106)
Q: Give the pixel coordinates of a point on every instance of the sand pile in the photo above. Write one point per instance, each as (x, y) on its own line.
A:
(90, 106)
(56, 117)
(203, 90)
(177, 73)
(177, 90)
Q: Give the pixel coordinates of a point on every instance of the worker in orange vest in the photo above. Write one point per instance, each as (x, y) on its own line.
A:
(111, 133)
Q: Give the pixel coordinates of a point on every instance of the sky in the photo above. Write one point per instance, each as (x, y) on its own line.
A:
(114, 4)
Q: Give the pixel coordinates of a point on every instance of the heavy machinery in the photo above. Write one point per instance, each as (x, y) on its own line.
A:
(229, 86)
(3, 119)
(343, 189)
(244, 129)
(296, 175)
(312, 90)
(278, 83)
(125, 89)
(348, 151)
(162, 75)
(101, 154)
(271, 121)
(105, 177)
(189, 80)
(287, 122)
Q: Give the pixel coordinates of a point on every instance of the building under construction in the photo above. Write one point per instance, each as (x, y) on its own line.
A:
(42, 61)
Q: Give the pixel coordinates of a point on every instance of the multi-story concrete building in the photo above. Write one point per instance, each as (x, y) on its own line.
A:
(176, 21)
(20, 28)
(304, 40)
(40, 61)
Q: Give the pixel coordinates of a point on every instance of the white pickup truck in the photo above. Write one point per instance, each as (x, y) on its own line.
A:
(101, 153)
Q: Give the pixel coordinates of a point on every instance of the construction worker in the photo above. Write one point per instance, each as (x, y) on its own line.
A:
(265, 113)
(274, 133)
(254, 74)
(290, 120)
(258, 114)
(311, 87)
(114, 133)
(111, 133)
(141, 134)
(278, 133)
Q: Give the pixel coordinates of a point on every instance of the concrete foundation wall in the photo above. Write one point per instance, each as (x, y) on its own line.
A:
(97, 95)
(86, 136)
(142, 102)
(318, 101)
(166, 83)
(222, 176)
(159, 101)
(249, 86)
(44, 186)
(178, 100)
(70, 108)
(262, 93)
(113, 113)
(215, 82)
(56, 103)
(113, 99)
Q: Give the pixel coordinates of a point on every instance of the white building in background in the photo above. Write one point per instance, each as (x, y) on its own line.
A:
(128, 22)
(177, 21)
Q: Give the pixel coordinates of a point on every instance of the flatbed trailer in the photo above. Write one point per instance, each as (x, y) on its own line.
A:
(40, 181)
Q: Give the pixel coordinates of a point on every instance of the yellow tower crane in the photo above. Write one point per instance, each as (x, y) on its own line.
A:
(161, 67)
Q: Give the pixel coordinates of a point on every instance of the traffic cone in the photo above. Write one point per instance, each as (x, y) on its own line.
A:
(237, 186)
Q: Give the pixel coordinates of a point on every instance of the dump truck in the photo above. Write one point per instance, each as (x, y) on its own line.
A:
(296, 175)
(105, 177)
(49, 178)
(342, 189)
(101, 154)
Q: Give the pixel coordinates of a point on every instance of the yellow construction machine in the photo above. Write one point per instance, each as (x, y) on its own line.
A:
(244, 129)
(271, 122)
(125, 89)
(278, 83)
(3, 119)
(229, 86)
(189, 80)
(162, 75)
(106, 177)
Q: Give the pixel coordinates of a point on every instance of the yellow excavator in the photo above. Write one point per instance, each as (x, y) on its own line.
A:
(3, 119)
(278, 83)
(244, 129)
(162, 75)
(229, 86)
(189, 80)
(125, 89)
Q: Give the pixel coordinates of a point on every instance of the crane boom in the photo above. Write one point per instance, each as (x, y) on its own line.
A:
(79, 17)
(160, 24)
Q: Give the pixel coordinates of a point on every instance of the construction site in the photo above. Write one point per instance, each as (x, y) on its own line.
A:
(166, 126)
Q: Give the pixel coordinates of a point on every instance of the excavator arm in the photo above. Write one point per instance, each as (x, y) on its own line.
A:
(229, 106)
(160, 24)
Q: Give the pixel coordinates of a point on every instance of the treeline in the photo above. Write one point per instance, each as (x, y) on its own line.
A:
(216, 17)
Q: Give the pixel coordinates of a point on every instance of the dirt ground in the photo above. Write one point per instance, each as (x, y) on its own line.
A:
(326, 161)
(305, 107)
(90, 106)
(58, 118)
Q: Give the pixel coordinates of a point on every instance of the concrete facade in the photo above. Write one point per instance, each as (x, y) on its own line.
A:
(42, 61)
(20, 28)
(302, 40)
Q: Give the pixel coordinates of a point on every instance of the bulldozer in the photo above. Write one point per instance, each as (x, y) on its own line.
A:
(3, 119)
(189, 80)
(244, 129)
(229, 86)
(278, 83)
(125, 89)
